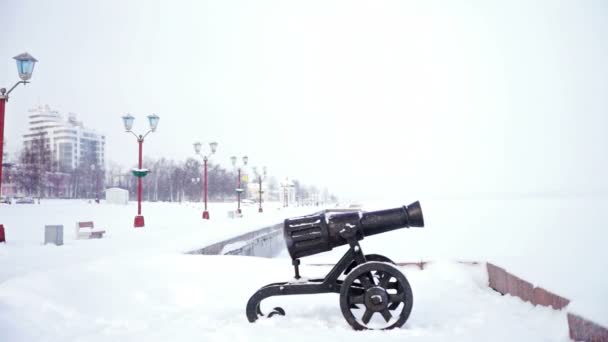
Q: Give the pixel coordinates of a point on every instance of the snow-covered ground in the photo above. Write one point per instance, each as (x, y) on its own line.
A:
(136, 284)
(170, 227)
(170, 297)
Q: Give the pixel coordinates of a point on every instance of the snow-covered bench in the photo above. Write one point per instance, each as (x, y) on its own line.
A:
(86, 230)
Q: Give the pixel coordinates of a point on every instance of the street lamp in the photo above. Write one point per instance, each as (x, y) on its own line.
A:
(239, 190)
(139, 172)
(25, 67)
(260, 177)
(197, 149)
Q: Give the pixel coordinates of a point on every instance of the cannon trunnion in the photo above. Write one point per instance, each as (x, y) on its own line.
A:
(374, 294)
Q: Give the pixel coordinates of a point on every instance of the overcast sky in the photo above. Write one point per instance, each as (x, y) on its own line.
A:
(373, 99)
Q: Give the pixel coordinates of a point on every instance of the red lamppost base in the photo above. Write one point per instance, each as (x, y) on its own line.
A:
(205, 215)
(260, 210)
(2, 236)
(139, 221)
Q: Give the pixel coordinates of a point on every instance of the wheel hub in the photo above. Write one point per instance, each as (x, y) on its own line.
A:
(376, 299)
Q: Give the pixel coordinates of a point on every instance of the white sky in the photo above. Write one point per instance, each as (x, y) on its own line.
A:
(373, 99)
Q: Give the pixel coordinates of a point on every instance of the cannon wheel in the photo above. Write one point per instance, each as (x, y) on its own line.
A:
(379, 288)
(368, 257)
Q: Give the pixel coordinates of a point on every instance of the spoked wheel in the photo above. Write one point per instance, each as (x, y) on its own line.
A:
(369, 257)
(376, 295)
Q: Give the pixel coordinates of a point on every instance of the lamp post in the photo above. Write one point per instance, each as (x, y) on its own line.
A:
(239, 190)
(197, 149)
(25, 67)
(260, 177)
(139, 172)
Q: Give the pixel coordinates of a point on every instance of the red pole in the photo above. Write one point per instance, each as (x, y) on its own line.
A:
(2, 104)
(238, 193)
(139, 219)
(139, 179)
(205, 213)
(205, 184)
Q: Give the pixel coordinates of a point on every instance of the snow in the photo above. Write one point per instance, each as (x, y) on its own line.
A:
(202, 298)
(136, 284)
(233, 246)
(170, 227)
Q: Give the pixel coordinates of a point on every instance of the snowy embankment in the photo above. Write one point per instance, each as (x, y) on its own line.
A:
(170, 297)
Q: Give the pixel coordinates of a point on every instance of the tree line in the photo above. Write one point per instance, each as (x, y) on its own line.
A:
(37, 174)
(176, 181)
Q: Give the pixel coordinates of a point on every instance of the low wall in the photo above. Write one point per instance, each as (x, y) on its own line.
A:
(581, 329)
(266, 242)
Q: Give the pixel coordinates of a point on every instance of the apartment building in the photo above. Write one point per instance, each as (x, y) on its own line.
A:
(68, 141)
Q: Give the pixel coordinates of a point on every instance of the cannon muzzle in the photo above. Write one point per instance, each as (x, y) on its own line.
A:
(309, 235)
(381, 221)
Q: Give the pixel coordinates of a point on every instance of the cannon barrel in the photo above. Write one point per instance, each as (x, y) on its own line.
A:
(309, 235)
(381, 221)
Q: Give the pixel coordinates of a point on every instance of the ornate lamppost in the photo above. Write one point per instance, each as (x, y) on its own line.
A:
(25, 68)
(140, 172)
(239, 190)
(197, 149)
(260, 177)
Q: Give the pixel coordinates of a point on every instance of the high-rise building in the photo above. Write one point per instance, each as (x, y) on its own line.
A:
(67, 140)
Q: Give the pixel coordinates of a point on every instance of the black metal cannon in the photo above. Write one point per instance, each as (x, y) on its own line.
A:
(367, 284)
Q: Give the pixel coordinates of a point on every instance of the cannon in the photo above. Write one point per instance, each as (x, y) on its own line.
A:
(374, 294)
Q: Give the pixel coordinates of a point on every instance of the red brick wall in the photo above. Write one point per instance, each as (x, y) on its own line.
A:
(505, 282)
(584, 330)
(580, 328)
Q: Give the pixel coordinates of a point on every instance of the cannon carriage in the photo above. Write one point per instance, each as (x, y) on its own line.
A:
(368, 285)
